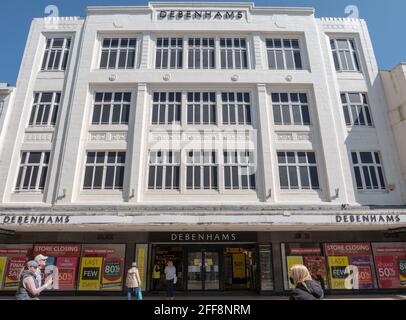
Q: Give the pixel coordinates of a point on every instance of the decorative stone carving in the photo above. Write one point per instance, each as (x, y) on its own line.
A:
(108, 136)
(38, 137)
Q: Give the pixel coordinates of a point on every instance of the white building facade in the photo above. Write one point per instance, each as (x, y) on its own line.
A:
(232, 139)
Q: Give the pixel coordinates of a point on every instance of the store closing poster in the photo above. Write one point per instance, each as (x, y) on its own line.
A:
(67, 268)
(112, 274)
(14, 267)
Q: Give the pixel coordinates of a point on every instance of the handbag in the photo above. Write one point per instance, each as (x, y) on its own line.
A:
(139, 294)
(175, 279)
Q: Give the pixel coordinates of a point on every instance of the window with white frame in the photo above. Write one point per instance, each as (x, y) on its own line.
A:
(284, 54)
(169, 53)
(239, 170)
(164, 170)
(1, 106)
(56, 54)
(201, 53)
(290, 109)
(236, 108)
(201, 108)
(368, 170)
(166, 107)
(298, 170)
(345, 55)
(118, 53)
(104, 170)
(33, 170)
(111, 108)
(201, 170)
(356, 109)
(233, 53)
(45, 109)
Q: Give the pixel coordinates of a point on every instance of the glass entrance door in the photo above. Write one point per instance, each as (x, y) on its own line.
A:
(203, 270)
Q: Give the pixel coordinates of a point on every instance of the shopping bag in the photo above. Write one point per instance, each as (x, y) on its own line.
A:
(175, 279)
(139, 294)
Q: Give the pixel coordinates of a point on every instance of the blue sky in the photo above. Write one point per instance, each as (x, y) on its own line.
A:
(386, 22)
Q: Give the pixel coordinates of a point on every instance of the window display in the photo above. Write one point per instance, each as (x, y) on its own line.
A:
(102, 267)
(308, 254)
(390, 264)
(342, 255)
(12, 261)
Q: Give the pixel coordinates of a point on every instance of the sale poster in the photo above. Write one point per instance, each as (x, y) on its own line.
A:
(239, 266)
(364, 275)
(317, 268)
(14, 267)
(387, 271)
(90, 273)
(293, 260)
(3, 264)
(67, 268)
(112, 278)
(337, 266)
(402, 271)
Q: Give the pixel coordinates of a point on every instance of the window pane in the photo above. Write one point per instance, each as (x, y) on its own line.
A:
(151, 177)
(296, 115)
(358, 177)
(283, 177)
(294, 184)
(304, 177)
(119, 178)
(109, 178)
(381, 179)
(98, 178)
(373, 177)
(176, 175)
(305, 115)
(189, 177)
(235, 182)
(159, 177)
(168, 178)
(113, 58)
(366, 177)
(43, 178)
(314, 177)
(34, 177)
(88, 178)
(197, 184)
(286, 114)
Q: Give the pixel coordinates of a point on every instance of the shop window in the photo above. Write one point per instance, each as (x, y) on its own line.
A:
(62, 264)
(12, 261)
(390, 264)
(102, 267)
(350, 265)
(308, 254)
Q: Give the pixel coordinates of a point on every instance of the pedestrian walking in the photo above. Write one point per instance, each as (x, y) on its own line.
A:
(170, 275)
(29, 288)
(41, 260)
(133, 282)
(305, 287)
(156, 276)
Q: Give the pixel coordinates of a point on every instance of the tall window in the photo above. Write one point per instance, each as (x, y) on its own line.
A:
(236, 108)
(368, 170)
(290, 108)
(345, 55)
(284, 54)
(169, 52)
(118, 53)
(166, 107)
(233, 53)
(111, 108)
(239, 170)
(164, 170)
(356, 110)
(201, 108)
(104, 171)
(298, 170)
(201, 53)
(45, 109)
(33, 171)
(1, 106)
(201, 170)
(56, 54)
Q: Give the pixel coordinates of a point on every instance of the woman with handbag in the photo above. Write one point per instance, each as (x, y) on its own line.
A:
(133, 282)
(170, 275)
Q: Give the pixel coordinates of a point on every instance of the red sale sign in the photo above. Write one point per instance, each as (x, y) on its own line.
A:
(67, 269)
(387, 271)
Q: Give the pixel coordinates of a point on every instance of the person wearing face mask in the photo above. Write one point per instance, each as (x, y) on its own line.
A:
(305, 287)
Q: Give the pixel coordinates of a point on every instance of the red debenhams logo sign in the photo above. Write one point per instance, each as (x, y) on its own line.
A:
(200, 15)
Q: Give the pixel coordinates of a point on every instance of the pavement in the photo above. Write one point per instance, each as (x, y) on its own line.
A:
(218, 297)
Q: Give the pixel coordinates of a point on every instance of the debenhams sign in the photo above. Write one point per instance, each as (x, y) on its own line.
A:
(200, 15)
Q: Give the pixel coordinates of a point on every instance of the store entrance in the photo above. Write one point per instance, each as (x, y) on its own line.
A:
(203, 270)
(239, 268)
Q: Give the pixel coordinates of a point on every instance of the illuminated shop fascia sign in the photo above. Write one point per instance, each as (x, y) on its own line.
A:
(200, 15)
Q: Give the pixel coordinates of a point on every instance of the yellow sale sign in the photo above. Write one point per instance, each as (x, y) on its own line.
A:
(90, 273)
(293, 260)
(337, 265)
(3, 264)
(239, 266)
